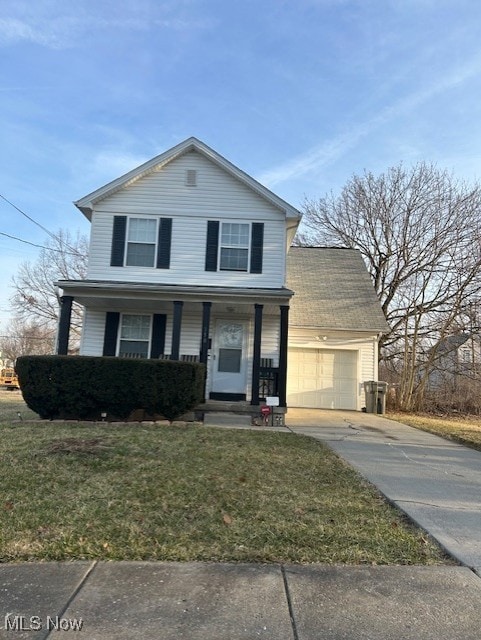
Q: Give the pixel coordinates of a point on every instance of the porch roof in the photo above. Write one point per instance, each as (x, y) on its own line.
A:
(96, 293)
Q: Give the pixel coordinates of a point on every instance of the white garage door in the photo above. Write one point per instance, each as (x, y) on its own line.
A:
(322, 378)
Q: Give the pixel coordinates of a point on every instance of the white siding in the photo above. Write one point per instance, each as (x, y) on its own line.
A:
(368, 360)
(93, 333)
(270, 338)
(165, 191)
(217, 196)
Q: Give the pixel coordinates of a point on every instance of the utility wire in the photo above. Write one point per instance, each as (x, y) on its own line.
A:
(40, 246)
(49, 233)
(26, 215)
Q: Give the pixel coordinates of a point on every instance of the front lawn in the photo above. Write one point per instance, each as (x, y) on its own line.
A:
(463, 429)
(133, 492)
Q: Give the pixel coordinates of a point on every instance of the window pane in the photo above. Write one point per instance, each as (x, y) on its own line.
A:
(140, 255)
(135, 327)
(235, 235)
(142, 230)
(133, 349)
(233, 259)
(230, 360)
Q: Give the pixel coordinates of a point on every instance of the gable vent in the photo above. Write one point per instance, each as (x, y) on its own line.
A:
(191, 178)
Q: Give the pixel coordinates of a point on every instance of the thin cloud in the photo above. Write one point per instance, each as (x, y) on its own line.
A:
(329, 152)
(13, 30)
(69, 30)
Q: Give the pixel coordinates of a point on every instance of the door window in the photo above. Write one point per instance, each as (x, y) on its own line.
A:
(230, 348)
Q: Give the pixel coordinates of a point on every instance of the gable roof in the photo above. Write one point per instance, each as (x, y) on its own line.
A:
(332, 290)
(87, 203)
(452, 343)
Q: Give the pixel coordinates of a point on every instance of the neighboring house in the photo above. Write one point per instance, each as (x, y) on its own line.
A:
(455, 358)
(188, 261)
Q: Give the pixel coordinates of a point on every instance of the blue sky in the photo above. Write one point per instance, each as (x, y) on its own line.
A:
(300, 94)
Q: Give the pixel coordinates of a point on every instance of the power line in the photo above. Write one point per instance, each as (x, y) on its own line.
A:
(26, 215)
(49, 233)
(40, 246)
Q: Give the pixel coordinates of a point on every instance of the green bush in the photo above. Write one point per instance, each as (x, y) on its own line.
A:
(82, 387)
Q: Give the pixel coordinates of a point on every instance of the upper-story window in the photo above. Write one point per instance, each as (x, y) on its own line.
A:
(234, 246)
(466, 355)
(141, 242)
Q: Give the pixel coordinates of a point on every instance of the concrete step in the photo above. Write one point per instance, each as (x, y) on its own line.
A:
(224, 419)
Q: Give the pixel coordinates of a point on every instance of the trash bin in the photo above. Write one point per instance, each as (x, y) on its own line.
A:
(375, 392)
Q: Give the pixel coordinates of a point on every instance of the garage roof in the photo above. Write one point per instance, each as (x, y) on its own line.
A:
(332, 290)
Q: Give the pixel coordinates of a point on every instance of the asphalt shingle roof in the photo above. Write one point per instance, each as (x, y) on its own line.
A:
(332, 290)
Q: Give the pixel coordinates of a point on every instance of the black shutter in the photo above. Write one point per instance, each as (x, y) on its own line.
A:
(118, 241)
(112, 319)
(158, 335)
(257, 246)
(165, 237)
(212, 245)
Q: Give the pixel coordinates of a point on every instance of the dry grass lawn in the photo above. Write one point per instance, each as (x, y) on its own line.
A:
(150, 492)
(463, 429)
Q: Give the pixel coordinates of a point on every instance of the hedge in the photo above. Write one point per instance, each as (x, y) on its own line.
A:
(84, 387)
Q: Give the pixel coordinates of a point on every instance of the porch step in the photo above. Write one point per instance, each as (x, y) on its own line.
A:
(219, 406)
(224, 419)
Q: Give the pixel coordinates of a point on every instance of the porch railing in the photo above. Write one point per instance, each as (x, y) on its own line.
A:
(268, 382)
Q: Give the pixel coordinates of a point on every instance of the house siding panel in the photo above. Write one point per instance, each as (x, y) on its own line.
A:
(368, 355)
(164, 190)
(218, 196)
(93, 333)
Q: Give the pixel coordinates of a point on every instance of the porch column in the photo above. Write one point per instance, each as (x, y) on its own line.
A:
(64, 325)
(176, 327)
(284, 331)
(204, 345)
(256, 360)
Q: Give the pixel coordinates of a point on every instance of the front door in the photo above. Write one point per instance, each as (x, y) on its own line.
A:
(230, 362)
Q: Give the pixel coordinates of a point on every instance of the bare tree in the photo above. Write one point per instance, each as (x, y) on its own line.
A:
(418, 230)
(30, 338)
(35, 298)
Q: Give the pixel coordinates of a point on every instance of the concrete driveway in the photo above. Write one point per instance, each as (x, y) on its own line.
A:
(435, 482)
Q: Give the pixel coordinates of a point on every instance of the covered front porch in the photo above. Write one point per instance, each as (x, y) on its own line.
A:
(239, 334)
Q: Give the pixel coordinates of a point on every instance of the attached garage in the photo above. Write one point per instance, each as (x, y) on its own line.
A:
(335, 321)
(322, 378)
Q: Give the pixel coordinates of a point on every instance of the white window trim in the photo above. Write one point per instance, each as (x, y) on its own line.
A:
(155, 243)
(222, 246)
(119, 333)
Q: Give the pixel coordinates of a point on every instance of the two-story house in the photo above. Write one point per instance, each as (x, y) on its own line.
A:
(188, 260)
(455, 359)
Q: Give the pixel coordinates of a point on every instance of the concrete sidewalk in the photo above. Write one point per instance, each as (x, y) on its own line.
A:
(436, 482)
(199, 601)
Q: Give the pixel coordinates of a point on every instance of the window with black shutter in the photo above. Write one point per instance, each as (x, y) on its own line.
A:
(234, 246)
(141, 242)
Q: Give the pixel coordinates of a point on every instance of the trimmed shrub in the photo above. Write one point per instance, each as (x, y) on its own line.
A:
(82, 387)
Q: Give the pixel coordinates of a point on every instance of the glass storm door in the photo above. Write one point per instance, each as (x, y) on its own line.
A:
(230, 358)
